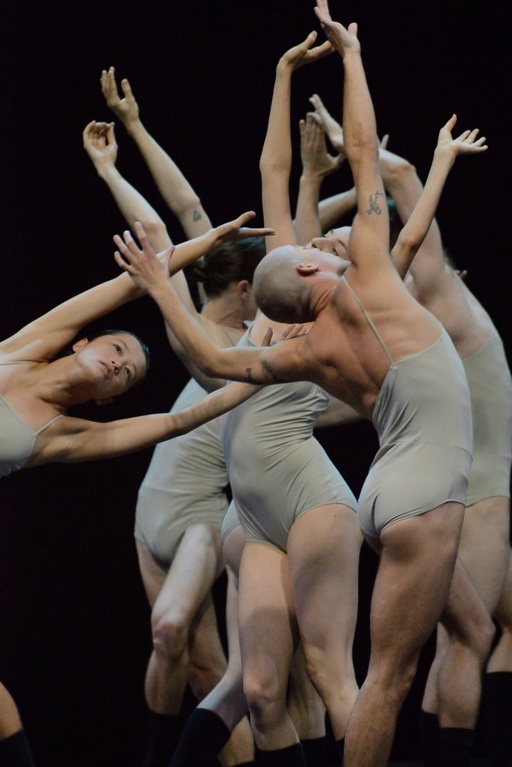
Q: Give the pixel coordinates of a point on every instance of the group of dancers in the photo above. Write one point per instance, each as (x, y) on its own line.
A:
(301, 322)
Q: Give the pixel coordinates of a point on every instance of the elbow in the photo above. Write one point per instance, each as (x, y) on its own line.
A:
(188, 203)
(400, 175)
(271, 168)
(155, 229)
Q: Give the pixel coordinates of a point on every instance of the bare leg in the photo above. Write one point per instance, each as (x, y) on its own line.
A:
(268, 635)
(501, 658)
(225, 706)
(470, 632)
(323, 552)
(411, 587)
(176, 598)
(454, 685)
(305, 705)
(498, 683)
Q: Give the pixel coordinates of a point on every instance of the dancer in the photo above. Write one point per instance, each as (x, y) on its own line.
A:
(453, 689)
(182, 498)
(40, 381)
(375, 347)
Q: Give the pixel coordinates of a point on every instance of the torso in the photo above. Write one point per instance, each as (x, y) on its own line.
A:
(355, 366)
(22, 416)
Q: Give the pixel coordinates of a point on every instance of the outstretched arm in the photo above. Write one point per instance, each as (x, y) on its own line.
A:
(172, 184)
(74, 440)
(317, 163)
(45, 337)
(187, 252)
(419, 220)
(276, 155)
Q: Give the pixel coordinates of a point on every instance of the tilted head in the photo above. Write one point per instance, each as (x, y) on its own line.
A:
(279, 291)
(113, 361)
(284, 281)
(335, 241)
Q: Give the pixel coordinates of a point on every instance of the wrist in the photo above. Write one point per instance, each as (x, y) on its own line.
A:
(105, 170)
(311, 178)
(134, 127)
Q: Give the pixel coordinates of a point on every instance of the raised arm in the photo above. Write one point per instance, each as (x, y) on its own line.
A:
(332, 209)
(172, 184)
(317, 164)
(369, 239)
(417, 206)
(276, 155)
(100, 144)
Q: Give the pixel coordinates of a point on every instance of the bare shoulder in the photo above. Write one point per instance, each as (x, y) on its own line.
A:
(55, 444)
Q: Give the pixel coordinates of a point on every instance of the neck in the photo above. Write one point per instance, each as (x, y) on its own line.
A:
(224, 310)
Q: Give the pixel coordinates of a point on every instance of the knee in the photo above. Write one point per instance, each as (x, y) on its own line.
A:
(263, 698)
(170, 636)
(476, 640)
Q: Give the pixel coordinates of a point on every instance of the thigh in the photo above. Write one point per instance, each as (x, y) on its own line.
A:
(197, 564)
(484, 547)
(153, 573)
(464, 614)
(232, 547)
(266, 615)
(412, 582)
(323, 551)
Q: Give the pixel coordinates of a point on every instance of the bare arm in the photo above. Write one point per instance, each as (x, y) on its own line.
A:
(369, 239)
(100, 144)
(276, 155)
(74, 440)
(332, 209)
(420, 219)
(49, 334)
(317, 163)
(172, 184)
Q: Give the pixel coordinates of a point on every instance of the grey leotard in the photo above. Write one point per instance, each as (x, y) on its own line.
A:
(229, 522)
(17, 438)
(490, 387)
(423, 420)
(277, 469)
(185, 484)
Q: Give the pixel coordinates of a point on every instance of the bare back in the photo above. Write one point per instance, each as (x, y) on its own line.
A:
(363, 329)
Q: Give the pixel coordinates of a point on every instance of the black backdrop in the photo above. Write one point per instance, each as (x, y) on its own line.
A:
(75, 639)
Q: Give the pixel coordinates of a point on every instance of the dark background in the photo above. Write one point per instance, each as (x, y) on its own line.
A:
(75, 640)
